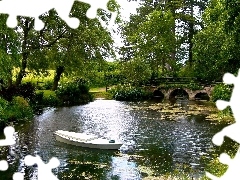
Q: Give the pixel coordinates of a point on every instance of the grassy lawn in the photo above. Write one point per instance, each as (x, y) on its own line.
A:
(100, 93)
(96, 92)
(46, 93)
(98, 89)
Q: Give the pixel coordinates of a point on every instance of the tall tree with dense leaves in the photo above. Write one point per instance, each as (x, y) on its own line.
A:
(185, 26)
(150, 35)
(190, 21)
(215, 49)
(89, 41)
(74, 52)
(9, 51)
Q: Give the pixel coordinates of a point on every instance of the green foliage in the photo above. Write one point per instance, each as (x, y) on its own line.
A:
(39, 98)
(153, 42)
(136, 71)
(3, 107)
(104, 95)
(113, 74)
(16, 110)
(26, 90)
(73, 92)
(216, 168)
(46, 98)
(47, 85)
(129, 93)
(214, 49)
(221, 92)
(51, 101)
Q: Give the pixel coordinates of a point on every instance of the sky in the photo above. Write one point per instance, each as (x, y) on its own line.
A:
(127, 8)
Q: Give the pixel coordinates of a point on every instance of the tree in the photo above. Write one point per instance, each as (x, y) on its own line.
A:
(36, 48)
(153, 41)
(74, 52)
(9, 52)
(214, 49)
(190, 21)
(186, 25)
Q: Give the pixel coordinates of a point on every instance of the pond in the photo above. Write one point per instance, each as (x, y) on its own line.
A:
(153, 143)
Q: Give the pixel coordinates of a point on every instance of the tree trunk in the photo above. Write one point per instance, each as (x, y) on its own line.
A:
(59, 71)
(25, 54)
(22, 72)
(10, 82)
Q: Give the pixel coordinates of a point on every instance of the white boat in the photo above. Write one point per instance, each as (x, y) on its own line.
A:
(85, 140)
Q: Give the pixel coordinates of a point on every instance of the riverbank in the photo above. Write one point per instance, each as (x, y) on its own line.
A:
(169, 111)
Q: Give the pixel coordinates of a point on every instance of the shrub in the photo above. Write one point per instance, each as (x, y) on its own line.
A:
(20, 109)
(47, 85)
(9, 92)
(26, 90)
(129, 93)
(221, 91)
(50, 101)
(3, 106)
(73, 92)
(38, 98)
(16, 110)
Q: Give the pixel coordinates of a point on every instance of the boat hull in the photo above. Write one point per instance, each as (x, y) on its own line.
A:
(104, 143)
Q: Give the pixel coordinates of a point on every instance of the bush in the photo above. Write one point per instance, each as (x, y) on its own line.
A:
(47, 85)
(221, 92)
(38, 98)
(9, 92)
(16, 110)
(3, 106)
(129, 93)
(50, 101)
(73, 92)
(26, 90)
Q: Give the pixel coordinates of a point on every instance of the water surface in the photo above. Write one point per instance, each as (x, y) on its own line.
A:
(152, 144)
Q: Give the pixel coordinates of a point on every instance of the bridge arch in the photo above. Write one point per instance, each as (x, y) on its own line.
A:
(202, 96)
(178, 93)
(158, 94)
(187, 93)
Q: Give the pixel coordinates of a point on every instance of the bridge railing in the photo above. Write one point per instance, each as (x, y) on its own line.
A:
(180, 80)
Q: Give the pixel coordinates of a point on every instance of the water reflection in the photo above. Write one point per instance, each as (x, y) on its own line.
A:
(152, 145)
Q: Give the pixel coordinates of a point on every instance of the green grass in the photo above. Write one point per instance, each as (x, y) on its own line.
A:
(98, 89)
(47, 93)
(100, 93)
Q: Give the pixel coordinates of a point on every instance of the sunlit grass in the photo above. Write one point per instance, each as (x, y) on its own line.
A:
(46, 93)
(100, 89)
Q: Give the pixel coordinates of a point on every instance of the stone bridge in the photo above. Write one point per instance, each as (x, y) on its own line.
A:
(185, 93)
